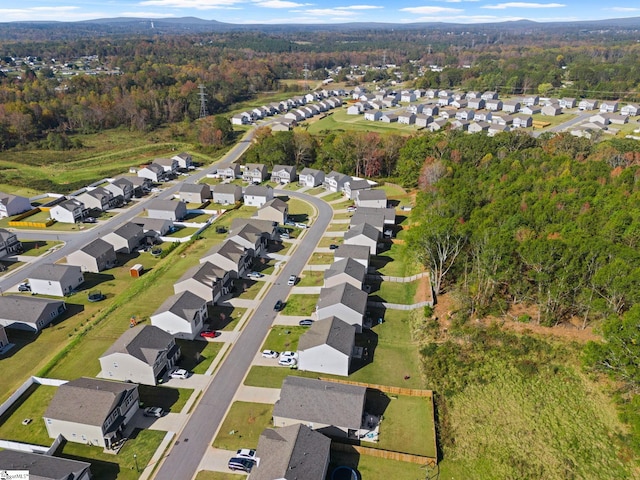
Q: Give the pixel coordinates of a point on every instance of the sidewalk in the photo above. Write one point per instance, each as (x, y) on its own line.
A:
(257, 394)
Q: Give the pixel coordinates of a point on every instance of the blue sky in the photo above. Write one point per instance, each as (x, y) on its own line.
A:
(325, 11)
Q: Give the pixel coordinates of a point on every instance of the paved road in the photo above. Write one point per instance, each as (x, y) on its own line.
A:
(579, 118)
(76, 240)
(194, 440)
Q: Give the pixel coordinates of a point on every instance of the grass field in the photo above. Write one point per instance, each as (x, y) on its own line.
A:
(300, 304)
(311, 279)
(394, 292)
(300, 211)
(321, 259)
(31, 405)
(207, 475)
(36, 248)
(395, 262)
(283, 338)
(338, 227)
(243, 425)
(326, 241)
(339, 120)
(373, 468)
(197, 356)
(170, 399)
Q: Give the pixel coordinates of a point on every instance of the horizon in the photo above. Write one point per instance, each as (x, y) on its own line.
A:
(331, 12)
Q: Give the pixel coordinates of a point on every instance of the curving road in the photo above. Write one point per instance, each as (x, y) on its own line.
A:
(197, 435)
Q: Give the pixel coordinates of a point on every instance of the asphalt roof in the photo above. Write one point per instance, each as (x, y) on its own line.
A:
(364, 229)
(144, 342)
(184, 304)
(349, 266)
(352, 251)
(228, 188)
(55, 272)
(41, 466)
(345, 294)
(372, 195)
(128, 230)
(318, 401)
(293, 453)
(88, 401)
(331, 331)
(22, 308)
(97, 248)
(206, 273)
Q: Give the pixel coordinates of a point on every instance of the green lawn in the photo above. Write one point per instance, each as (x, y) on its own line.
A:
(272, 377)
(373, 468)
(106, 466)
(224, 318)
(171, 399)
(311, 279)
(332, 196)
(341, 205)
(342, 216)
(327, 241)
(300, 304)
(243, 425)
(32, 404)
(197, 355)
(339, 120)
(321, 259)
(338, 227)
(395, 292)
(315, 191)
(247, 289)
(207, 475)
(300, 211)
(35, 248)
(283, 337)
(396, 262)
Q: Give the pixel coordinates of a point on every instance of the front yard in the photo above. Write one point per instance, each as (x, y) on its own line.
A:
(283, 337)
(243, 425)
(321, 259)
(197, 355)
(300, 304)
(170, 399)
(311, 279)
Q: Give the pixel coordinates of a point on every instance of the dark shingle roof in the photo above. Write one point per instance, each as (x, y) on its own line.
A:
(128, 230)
(317, 401)
(349, 266)
(87, 401)
(143, 342)
(345, 294)
(20, 308)
(362, 229)
(293, 453)
(372, 195)
(42, 467)
(184, 304)
(352, 251)
(331, 331)
(97, 248)
(54, 273)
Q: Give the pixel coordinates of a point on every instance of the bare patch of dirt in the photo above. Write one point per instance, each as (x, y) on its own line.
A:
(423, 292)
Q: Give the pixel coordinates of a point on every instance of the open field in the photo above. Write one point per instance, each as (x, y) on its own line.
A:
(243, 425)
(339, 120)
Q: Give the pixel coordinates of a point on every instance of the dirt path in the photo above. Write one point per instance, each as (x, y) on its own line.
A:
(423, 292)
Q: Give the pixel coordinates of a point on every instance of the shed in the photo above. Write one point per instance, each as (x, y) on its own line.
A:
(137, 270)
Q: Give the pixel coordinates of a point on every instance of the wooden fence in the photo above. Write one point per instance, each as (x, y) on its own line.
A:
(17, 222)
(386, 454)
(409, 392)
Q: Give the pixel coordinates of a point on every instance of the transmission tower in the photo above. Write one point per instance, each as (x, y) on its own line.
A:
(306, 76)
(203, 102)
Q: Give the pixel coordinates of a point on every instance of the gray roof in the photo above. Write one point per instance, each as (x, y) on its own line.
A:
(352, 251)
(99, 193)
(286, 168)
(229, 188)
(97, 248)
(87, 401)
(338, 176)
(54, 272)
(372, 195)
(70, 204)
(43, 467)
(128, 230)
(227, 249)
(184, 304)
(6, 234)
(164, 205)
(256, 166)
(165, 162)
(375, 220)
(22, 308)
(310, 171)
(389, 214)
(258, 190)
(294, 453)
(155, 168)
(345, 294)
(144, 342)
(317, 401)
(276, 203)
(331, 331)
(122, 182)
(206, 273)
(266, 226)
(148, 223)
(349, 266)
(364, 229)
(194, 187)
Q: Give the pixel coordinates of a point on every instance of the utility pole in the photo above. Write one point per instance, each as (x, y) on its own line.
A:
(203, 102)
(306, 76)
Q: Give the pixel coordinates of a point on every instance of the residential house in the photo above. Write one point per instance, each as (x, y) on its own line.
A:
(494, 105)
(143, 354)
(141, 185)
(230, 256)
(345, 270)
(530, 110)
(94, 257)
(327, 347)
(462, 125)
(389, 118)
(169, 165)
(332, 408)
(476, 103)
(92, 411)
(567, 102)
(474, 94)
(522, 121)
(11, 205)
(618, 119)
(601, 118)
(68, 211)
(483, 116)
(184, 159)
(444, 101)
(195, 193)
(423, 120)
(4, 341)
(283, 126)
(255, 173)
(363, 234)
(355, 109)
(353, 187)
(275, 210)
(431, 109)
(153, 227)
(531, 100)
(55, 280)
(415, 109)
(489, 95)
(587, 104)
(250, 238)
(154, 172)
(294, 115)
(630, 110)
(240, 119)
(257, 195)
(369, 215)
(371, 198)
(182, 315)
(373, 115)
(99, 199)
(310, 177)
(459, 104)
(432, 93)
(335, 182)
(229, 172)
(43, 466)
(283, 174)
(551, 110)
(407, 118)
(406, 96)
(267, 227)
(511, 106)
(121, 188)
(126, 238)
(495, 129)
(464, 114)
(206, 280)
(608, 106)
(501, 119)
(9, 243)
(344, 301)
(167, 209)
(294, 450)
(477, 127)
(28, 312)
(226, 194)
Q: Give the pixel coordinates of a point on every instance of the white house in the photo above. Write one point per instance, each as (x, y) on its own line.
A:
(310, 177)
(363, 234)
(182, 315)
(11, 205)
(55, 280)
(326, 347)
(67, 211)
(257, 195)
(343, 301)
(371, 198)
(28, 313)
(227, 194)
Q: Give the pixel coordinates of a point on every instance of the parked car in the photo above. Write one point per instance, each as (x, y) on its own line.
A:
(333, 246)
(307, 322)
(290, 223)
(246, 453)
(179, 373)
(287, 361)
(89, 220)
(24, 287)
(292, 280)
(241, 464)
(278, 306)
(255, 275)
(270, 354)
(289, 354)
(209, 334)
(285, 235)
(301, 225)
(153, 412)
(351, 208)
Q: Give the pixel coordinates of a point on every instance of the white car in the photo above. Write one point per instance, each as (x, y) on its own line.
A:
(289, 354)
(153, 412)
(246, 453)
(301, 225)
(256, 275)
(292, 280)
(270, 354)
(179, 373)
(287, 361)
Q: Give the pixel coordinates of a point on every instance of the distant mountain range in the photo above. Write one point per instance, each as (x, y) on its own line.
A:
(128, 25)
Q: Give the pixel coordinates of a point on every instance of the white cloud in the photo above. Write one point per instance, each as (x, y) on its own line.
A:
(195, 4)
(62, 13)
(430, 10)
(280, 4)
(463, 19)
(502, 6)
(294, 20)
(623, 9)
(146, 15)
(359, 7)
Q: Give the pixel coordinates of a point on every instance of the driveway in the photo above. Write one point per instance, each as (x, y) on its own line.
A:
(170, 422)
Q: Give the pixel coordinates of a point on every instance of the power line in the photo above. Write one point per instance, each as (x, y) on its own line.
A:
(203, 102)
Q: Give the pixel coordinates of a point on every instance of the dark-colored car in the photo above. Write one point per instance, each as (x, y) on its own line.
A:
(278, 306)
(24, 287)
(307, 322)
(333, 246)
(239, 463)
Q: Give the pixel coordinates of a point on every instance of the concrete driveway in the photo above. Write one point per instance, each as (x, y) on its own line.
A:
(196, 382)
(216, 459)
(170, 422)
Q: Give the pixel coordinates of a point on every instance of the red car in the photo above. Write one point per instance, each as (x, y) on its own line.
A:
(209, 334)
